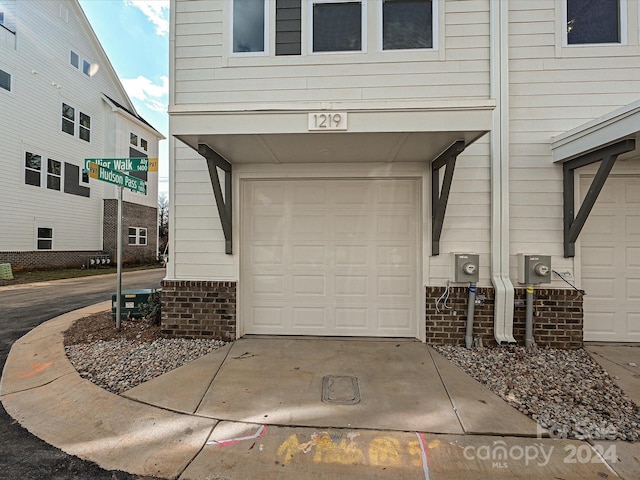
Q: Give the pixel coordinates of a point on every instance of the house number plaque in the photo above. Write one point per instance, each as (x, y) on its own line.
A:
(328, 121)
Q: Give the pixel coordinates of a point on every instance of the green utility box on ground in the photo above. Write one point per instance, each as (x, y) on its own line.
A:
(131, 301)
(5, 271)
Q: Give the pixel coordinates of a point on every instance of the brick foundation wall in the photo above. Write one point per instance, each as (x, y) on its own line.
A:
(557, 317)
(133, 215)
(199, 309)
(42, 259)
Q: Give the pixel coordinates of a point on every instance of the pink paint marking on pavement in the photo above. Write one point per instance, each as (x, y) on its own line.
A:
(425, 465)
(261, 431)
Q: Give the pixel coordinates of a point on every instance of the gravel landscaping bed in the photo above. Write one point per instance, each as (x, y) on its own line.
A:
(120, 360)
(565, 391)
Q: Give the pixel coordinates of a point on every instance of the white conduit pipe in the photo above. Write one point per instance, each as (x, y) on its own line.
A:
(468, 338)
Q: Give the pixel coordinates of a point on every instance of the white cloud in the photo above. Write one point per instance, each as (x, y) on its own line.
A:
(143, 89)
(157, 11)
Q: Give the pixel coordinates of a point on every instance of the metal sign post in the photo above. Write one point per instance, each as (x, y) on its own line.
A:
(110, 170)
(119, 262)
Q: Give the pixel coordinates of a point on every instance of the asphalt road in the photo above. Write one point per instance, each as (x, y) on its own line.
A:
(23, 307)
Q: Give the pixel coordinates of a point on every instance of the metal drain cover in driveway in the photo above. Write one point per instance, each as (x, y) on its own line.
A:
(343, 390)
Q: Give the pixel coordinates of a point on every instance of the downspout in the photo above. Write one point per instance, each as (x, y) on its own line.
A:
(499, 75)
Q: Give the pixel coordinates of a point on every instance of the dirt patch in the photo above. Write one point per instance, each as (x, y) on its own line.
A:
(100, 327)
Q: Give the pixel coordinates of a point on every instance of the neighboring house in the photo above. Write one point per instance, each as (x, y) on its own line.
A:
(328, 157)
(62, 102)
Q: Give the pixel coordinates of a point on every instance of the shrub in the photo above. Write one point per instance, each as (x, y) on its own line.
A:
(152, 311)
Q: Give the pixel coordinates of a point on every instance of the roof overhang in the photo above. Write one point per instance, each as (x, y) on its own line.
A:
(373, 135)
(621, 124)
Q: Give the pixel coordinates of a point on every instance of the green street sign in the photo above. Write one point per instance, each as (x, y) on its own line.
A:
(125, 164)
(117, 178)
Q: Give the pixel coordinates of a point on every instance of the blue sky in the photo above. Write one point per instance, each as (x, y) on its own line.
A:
(135, 36)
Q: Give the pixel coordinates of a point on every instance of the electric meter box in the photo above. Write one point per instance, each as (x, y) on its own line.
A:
(534, 269)
(466, 267)
(131, 301)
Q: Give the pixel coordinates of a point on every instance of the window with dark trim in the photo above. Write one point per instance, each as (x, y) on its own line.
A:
(144, 144)
(45, 238)
(54, 174)
(5, 80)
(32, 169)
(407, 24)
(593, 21)
(337, 26)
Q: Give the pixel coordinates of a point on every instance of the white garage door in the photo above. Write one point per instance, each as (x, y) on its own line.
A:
(610, 255)
(330, 257)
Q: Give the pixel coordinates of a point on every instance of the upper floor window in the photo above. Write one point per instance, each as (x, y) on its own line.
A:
(32, 169)
(68, 119)
(407, 24)
(337, 26)
(69, 123)
(5, 80)
(54, 174)
(248, 23)
(594, 21)
(133, 139)
(144, 144)
(81, 64)
(84, 131)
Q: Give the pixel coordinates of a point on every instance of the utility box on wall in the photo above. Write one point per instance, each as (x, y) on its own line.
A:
(534, 269)
(466, 267)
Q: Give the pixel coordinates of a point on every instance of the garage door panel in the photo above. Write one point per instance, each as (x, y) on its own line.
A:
(633, 289)
(610, 257)
(633, 257)
(309, 317)
(599, 288)
(352, 227)
(313, 285)
(351, 318)
(266, 316)
(266, 194)
(352, 255)
(397, 286)
(597, 256)
(310, 195)
(353, 193)
(332, 258)
(267, 254)
(351, 286)
(265, 226)
(310, 225)
(632, 225)
(395, 196)
(391, 320)
(395, 255)
(305, 255)
(268, 285)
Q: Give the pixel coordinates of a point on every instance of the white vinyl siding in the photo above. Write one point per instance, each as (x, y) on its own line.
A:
(554, 89)
(31, 122)
(204, 74)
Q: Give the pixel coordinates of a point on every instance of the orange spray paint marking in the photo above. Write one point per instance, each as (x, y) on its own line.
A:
(35, 369)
